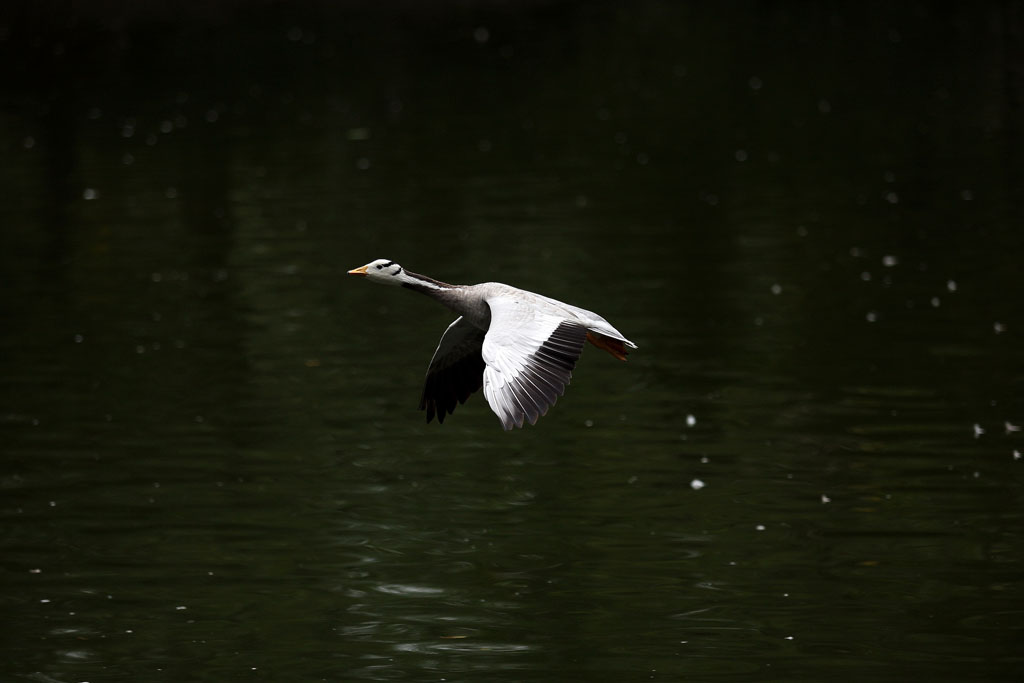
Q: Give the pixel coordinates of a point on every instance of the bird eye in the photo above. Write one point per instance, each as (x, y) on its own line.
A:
(379, 267)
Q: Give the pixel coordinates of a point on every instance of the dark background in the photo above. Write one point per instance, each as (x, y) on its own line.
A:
(807, 216)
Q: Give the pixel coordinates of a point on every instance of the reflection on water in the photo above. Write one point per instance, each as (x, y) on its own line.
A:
(213, 466)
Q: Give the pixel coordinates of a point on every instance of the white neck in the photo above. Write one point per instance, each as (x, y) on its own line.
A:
(420, 283)
(416, 281)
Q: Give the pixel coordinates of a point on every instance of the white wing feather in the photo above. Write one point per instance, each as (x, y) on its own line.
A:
(529, 357)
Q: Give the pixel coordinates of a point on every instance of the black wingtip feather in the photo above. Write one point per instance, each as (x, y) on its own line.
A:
(448, 386)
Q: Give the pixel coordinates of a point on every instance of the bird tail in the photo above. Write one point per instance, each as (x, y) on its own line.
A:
(612, 346)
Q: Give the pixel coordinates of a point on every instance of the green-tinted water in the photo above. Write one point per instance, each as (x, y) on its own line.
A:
(808, 220)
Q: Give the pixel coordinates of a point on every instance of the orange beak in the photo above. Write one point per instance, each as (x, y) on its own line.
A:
(361, 270)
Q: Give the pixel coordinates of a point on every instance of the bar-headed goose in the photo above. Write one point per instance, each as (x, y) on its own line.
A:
(520, 346)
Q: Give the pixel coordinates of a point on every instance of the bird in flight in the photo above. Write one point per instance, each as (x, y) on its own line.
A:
(519, 346)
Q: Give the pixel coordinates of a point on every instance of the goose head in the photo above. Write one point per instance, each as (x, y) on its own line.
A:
(382, 270)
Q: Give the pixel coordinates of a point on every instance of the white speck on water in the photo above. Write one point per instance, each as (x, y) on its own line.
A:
(741, 155)
(1016, 455)
(35, 571)
(481, 34)
(643, 158)
(978, 430)
(889, 260)
(181, 607)
(977, 475)
(998, 327)
(79, 339)
(588, 423)
(760, 527)
(871, 316)
(212, 115)
(936, 302)
(697, 484)
(171, 193)
(865, 276)
(90, 193)
(1011, 427)
(29, 142)
(704, 460)
(789, 638)
(951, 285)
(363, 163)
(892, 198)
(166, 126)
(755, 83)
(44, 600)
(632, 480)
(128, 159)
(825, 499)
(691, 420)
(53, 503)
(824, 106)
(776, 289)
(966, 195)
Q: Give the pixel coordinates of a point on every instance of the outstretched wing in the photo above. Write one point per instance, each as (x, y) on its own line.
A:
(529, 359)
(455, 371)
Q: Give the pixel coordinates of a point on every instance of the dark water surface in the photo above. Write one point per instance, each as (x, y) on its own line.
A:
(810, 221)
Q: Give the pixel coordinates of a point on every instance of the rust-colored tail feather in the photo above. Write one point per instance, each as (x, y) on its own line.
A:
(612, 346)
